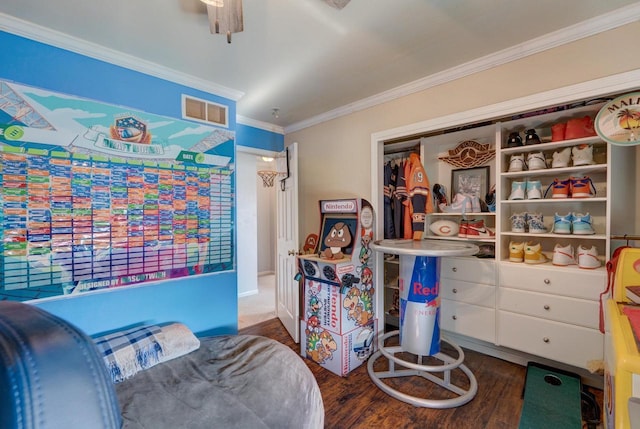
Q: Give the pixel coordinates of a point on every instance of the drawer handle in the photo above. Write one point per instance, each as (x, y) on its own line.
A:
(546, 339)
(546, 307)
(454, 269)
(455, 290)
(547, 281)
(454, 317)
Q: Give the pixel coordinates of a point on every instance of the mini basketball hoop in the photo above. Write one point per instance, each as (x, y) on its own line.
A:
(267, 177)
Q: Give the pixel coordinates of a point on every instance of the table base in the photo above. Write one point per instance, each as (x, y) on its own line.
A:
(425, 371)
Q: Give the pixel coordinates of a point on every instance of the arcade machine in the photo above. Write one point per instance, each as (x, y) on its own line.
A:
(622, 341)
(338, 317)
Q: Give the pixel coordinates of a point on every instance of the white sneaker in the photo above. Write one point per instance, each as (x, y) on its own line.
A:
(534, 190)
(460, 204)
(516, 163)
(582, 155)
(588, 258)
(561, 159)
(517, 190)
(536, 223)
(536, 161)
(563, 255)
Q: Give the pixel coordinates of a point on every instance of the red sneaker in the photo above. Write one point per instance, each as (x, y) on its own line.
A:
(476, 229)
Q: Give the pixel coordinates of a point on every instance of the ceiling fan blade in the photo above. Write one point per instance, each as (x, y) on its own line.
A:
(338, 4)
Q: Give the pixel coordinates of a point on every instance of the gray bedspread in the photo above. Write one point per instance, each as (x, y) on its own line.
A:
(241, 381)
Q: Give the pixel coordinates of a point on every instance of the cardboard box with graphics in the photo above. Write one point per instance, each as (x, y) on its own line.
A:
(338, 308)
(339, 354)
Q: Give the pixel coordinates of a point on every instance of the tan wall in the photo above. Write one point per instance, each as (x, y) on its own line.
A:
(334, 157)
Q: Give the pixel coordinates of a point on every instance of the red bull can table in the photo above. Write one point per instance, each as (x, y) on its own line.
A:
(420, 322)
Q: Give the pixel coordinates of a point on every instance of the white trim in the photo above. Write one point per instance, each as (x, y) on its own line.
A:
(608, 21)
(259, 124)
(48, 36)
(256, 151)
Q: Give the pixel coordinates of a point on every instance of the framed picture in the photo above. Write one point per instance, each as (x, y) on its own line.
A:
(470, 181)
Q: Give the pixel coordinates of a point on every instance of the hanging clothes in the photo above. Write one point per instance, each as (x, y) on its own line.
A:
(396, 203)
(408, 209)
(400, 197)
(389, 231)
(418, 190)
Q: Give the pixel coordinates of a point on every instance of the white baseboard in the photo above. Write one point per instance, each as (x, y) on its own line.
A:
(265, 273)
(248, 293)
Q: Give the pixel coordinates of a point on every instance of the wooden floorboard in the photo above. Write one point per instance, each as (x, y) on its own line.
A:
(355, 402)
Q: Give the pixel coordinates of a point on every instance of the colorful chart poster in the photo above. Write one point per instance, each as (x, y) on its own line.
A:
(95, 196)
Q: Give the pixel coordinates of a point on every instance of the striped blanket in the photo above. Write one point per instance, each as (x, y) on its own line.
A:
(127, 352)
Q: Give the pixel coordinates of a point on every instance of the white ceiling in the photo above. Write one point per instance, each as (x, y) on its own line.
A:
(306, 58)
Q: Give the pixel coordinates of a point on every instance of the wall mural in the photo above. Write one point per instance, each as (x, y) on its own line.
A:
(96, 196)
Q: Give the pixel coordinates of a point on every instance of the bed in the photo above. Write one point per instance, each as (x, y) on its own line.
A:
(53, 375)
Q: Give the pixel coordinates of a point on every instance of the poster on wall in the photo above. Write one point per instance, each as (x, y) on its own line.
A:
(95, 196)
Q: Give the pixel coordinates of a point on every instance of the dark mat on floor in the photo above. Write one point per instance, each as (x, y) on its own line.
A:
(552, 399)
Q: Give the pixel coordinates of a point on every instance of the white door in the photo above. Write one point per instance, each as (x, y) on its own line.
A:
(287, 305)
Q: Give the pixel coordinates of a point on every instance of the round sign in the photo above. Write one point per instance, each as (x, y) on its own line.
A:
(366, 217)
(618, 121)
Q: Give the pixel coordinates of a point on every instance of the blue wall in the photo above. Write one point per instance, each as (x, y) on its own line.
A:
(207, 304)
(255, 137)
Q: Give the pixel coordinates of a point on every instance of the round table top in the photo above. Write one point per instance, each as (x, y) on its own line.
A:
(425, 247)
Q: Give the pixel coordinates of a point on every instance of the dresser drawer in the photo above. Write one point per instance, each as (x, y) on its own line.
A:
(553, 307)
(470, 320)
(574, 345)
(573, 282)
(471, 293)
(471, 270)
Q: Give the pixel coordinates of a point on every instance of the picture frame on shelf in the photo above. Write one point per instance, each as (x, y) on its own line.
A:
(470, 181)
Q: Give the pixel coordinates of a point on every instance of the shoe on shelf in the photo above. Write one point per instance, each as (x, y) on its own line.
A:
(534, 190)
(516, 163)
(518, 222)
(562, 224)
(516, 251)
(563, 255)
(531, 137)
(475, 204)
(561, 159)
(490, 199)
(588, 258)
(533, 254)
(582, 224)
(439, 194)
(476, 229)
(582, 187)
(464, 228)
(517, 190)
(535, 221)
(486, 251)
(559, 188)
(514, 140)
(460, 204)
(536, 161)
(582, 155)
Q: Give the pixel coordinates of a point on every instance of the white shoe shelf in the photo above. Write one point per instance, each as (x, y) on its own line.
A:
(542, 310)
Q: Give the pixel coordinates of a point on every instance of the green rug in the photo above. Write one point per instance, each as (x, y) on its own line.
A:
(552, 399)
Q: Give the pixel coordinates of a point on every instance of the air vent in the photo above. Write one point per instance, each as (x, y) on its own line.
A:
(204, 111)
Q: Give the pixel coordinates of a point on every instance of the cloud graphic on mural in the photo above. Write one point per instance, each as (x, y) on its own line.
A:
(192, 131)
(154, 125)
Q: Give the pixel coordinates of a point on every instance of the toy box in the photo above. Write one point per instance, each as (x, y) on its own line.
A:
(339, 308)
(339, 354)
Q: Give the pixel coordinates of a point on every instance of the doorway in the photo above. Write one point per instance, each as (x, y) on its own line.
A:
(256, 240)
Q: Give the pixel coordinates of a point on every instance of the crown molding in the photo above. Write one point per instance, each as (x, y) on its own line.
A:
(590, 27)
(259, 124)
(51, 37)
(581, 91)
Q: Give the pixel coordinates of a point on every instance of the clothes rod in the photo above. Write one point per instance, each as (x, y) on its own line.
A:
(628, 237)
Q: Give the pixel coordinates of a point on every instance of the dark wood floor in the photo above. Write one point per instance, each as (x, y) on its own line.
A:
(355, 402)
